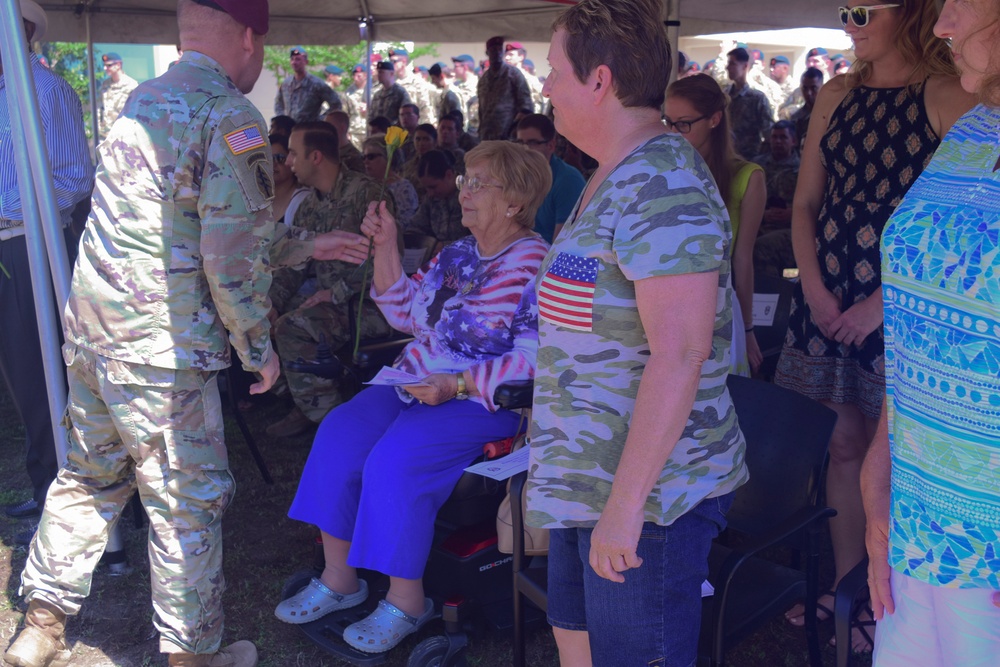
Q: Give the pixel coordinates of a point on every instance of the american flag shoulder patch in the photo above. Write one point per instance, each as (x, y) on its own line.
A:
(566, 294)
(245, 139)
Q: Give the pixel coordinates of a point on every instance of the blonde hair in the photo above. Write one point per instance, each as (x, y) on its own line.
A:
(524, 174)
(916, 42)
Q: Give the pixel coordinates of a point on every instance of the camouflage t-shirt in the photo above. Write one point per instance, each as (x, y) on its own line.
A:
(658, 213)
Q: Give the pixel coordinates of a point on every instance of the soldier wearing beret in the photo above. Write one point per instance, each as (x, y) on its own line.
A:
(172, 270)
(115, 89)
(390, 97)
(302, 95)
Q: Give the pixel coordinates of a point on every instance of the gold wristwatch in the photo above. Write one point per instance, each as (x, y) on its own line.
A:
(463, 393)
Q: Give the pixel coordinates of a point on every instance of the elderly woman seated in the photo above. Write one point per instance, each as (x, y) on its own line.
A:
(384, 463)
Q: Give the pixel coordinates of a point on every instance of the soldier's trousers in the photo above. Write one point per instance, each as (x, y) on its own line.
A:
(159, 431)
(297, 335)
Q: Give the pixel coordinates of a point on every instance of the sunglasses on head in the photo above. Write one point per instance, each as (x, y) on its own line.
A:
(859, 15)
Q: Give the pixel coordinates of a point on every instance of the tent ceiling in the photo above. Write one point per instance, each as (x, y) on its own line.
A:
(336, 21)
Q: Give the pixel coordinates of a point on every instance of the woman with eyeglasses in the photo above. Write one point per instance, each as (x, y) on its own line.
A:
(931, 482)
(403, 192)
(871, 133)
(696, 109)
(383, 463)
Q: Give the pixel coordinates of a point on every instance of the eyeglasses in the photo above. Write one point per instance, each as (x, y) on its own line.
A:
(279, 157)
(373, 156)
(473, 185)
(532, 142)
(681, 126)
(859, 15)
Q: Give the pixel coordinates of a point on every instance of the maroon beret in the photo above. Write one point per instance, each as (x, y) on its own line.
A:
(251, 13)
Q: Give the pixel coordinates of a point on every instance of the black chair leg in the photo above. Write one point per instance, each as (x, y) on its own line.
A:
(245, 430)
(853, 584)
(812, 595)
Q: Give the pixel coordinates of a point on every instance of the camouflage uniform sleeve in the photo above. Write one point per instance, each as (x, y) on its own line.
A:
(234, 205)
(279, 102)
(292, 246)
(331, 97)
(420, 223)
(285, 283)
(522, 94)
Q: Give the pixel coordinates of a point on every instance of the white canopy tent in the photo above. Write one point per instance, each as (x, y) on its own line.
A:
(336, 21)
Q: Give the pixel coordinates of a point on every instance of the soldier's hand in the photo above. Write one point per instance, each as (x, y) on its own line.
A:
(321, 296)
(268, 375)
(343, 246)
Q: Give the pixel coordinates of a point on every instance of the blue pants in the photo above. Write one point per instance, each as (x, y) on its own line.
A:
(380, 470)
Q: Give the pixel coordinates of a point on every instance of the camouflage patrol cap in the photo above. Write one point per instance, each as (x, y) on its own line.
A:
(251, 13)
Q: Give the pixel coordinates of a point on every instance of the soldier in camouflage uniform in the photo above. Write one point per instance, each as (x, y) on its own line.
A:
(504, 96)
(466, 87)
(390, 97)
(339, 201)
(772, 253)
(750, 113)
(420, 91)
(115, 89)
(302, 95)
(514, 55)
(158, 295)
(635, 446)
(359, 105)
(440, 212)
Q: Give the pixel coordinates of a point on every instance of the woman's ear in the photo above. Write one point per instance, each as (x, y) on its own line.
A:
(715, 119)
(602, 82)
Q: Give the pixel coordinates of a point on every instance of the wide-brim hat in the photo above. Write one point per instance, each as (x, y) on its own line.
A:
(32, 11)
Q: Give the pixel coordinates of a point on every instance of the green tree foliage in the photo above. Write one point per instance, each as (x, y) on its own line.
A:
(276, 58)
(69, 60)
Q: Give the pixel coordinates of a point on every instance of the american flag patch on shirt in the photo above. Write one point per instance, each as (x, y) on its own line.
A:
(566, 295)
(245, 139)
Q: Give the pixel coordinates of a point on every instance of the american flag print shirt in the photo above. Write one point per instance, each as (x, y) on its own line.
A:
(468, 312)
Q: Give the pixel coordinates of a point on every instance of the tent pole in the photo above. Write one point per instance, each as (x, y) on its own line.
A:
(672, 19)
(366, 28)
(41, 217)
(92, 83)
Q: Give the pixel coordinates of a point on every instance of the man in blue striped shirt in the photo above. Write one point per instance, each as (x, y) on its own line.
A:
(73, 176)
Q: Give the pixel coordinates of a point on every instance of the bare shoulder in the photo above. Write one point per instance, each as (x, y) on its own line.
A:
(946, 101)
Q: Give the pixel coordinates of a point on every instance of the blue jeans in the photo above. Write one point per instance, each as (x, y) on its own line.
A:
(655, 616)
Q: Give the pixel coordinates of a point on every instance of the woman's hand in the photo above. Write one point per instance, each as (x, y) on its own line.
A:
(754, 355)
(343, 246)
(824, 306)
(380, 226)
(441, 387)
(614, 541)
(318, 297)
(856, 323)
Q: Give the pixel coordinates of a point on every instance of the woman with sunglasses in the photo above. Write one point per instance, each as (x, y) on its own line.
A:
(403, 192)
(932, 472)
(384, 463)
(871, 133)
(696, 109)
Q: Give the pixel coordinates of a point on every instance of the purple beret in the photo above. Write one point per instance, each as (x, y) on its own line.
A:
(251, 13)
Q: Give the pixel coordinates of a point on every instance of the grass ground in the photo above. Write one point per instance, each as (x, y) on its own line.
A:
(262, 548)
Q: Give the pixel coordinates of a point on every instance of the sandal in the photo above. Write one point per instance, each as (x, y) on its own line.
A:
(862, 641)
(822, 611)
(316, 600)
(385, 627)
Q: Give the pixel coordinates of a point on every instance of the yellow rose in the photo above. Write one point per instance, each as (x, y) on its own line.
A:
(395, 137)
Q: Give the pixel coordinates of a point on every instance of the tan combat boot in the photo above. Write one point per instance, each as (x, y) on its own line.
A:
(42, 643)
(239, 654)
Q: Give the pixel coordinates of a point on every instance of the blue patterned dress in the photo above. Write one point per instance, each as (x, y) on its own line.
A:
(941, 272)
(877, 143)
